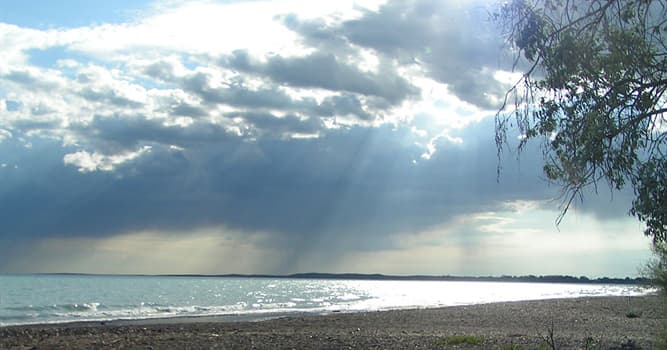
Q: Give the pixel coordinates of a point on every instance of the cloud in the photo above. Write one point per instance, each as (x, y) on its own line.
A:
(126, 132)
(329, 130)
(106, 87)
(453, 42)
(354, 181)
(350, 188)
(33, 79)
(87, 162)
(4, 134)
(208, 251)
(343, 105)
(239, 91)
(326, 71)
(282, 127)
(492, 243)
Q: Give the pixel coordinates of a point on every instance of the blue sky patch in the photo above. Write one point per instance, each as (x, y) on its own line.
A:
(48, 58)
(12, 106)
(44, 14)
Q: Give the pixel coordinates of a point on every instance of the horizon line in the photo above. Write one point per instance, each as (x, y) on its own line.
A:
(376, 276)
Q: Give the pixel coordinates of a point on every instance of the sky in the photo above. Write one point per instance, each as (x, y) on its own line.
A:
(278, 137)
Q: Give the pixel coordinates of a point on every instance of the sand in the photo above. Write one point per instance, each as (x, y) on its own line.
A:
(602, 323)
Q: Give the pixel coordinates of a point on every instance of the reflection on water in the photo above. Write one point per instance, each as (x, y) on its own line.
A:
(55, 298)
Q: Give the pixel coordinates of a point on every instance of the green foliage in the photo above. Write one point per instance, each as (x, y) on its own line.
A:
(511, 347)
(657, 273)
(662, 340)
(594, 93)
(459, 339)
(590, 344)
(657, 268)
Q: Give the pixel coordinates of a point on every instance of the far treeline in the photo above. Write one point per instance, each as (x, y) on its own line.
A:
(505, 278)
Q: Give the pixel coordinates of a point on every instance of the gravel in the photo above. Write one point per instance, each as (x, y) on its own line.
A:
(596, 323)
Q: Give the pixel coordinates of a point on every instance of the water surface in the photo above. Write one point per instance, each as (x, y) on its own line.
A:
(29, 299)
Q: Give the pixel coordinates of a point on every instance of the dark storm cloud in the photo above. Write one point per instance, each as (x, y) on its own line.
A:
(235, 94)
(454, 42)
(122, 133)
(269, 124)
(270, 96)
(26, 125)
(345, 105)
(348, 183)
(325, 71)
(601, 201)
(349, 188)
(125, 133)
(186, 110)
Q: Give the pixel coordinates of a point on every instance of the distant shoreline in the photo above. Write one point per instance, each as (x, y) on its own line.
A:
(382, 277)
(608, 321)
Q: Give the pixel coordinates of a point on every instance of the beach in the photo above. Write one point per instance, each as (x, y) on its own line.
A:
(603, 322)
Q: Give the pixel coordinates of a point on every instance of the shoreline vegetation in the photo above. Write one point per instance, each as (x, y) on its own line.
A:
(380, 277)
(579, 323)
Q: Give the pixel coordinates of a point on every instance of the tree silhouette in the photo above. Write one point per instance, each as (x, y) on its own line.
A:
(592, 91)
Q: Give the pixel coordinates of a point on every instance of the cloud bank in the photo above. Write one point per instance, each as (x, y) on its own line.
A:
(334, 133)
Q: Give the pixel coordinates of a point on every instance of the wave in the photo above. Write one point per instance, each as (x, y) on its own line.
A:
(94, 311)
(254, 299)
(66, 307)
(139, 313)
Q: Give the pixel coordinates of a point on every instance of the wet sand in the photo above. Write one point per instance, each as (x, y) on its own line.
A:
(602, 323)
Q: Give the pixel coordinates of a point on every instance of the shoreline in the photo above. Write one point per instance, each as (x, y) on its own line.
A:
(609, 321)
(270, 315)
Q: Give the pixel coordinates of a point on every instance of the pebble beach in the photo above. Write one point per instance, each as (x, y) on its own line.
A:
(600, 323)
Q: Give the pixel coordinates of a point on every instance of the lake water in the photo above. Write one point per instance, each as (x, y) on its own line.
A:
(29, 299)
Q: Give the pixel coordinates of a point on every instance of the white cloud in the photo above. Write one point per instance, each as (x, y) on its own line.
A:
(4, 134)
(184, 37)
(14, 40)
(89, 162)
(200, 27)
(205, 27)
